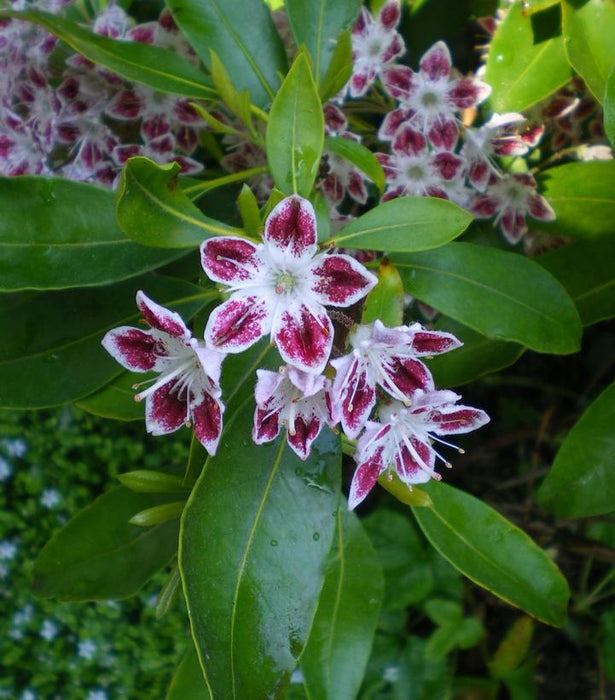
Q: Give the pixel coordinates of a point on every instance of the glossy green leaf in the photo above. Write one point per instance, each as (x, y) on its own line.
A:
(586, 270)
(406, 224)
(98, 555)
(168, 593)
(253, 546)
(188, 682)
(357, 154)
(116, 400)
(250, 214)
(334, 660)
(57, 234)
(242, 34)
(153, 210)
(589, 27)
(52, 354)
(153, 66)
(295, 131)
(502, 295)
(317, 24)
(581, 481)
(149, 481)
(340, 68)
(583, 198)
(526, 61)
(493, 552)
(386, 300)
(421, 678)
(477, 356)
(609, 108)
(533, 6)
(513, 648)
(158, 514)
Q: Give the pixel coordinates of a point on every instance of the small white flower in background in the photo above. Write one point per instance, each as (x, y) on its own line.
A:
(28, 695)
(6, 470)
(391, 674)
(86, 649)
(50, 498)
(49, 630)
(4, 571)
(16, 447)
(8, 549)
(97, 694)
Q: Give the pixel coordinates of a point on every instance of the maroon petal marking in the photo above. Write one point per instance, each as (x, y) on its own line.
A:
(392, 123)
(407, 375)
(122, 153)
(143, 33)
(304, 339)
(409, 142)
(484, 206)
(434, 342)
(365, 478)
(532, 135)
(187, 139)
(266, 425)
(436, 62)
(356, 187)
(134, 349)
(160, 318)
(468, 92)
(360, 82)
(340, 280)
(409, 469)
(395, 48)
(237, 324)
(513, 225)
(305, 434)
(188, 166)
(154, 126)
(443, 135)
(185, 113)
(398, 82)
(448, 165)
(292, 226)
(206, 415)
(165, 411)
(127, 104)
(389, 15)
(357, 401)
(457, 419)
(363, 21)
(539, 208)
(228, 259)
(478, 173)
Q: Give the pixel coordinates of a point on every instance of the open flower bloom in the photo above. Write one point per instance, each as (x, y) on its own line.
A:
(280, 287)
(385, 357)
(375, 44)
(402, 441)
(187, 390)
(431, 97)
(295, 400)
(511, 198)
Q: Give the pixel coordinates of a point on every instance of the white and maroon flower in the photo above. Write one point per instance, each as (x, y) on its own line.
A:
(295, 400)
(385, 357)
(281, 287)
(431, 98)
(187, 390)
(511, 198)
(402, 441)
(162, 150)
(375, 44)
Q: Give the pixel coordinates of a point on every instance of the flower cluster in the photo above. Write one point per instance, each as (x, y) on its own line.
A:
(81, 121)
(283, 287)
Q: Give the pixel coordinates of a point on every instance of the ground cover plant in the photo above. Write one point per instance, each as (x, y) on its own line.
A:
(286, 243)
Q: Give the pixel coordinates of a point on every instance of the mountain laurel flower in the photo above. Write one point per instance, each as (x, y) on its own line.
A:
(375, 44)
(187, 390)
(403, 440)
(280, 287)
(293, 399)
(385, 357)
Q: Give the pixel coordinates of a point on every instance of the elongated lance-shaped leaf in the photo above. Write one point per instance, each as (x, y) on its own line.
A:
(116, 400)
(406, 224)
(52, 353)
(526, 61)
(99, 555)
(153, 66)
(153, 210)
(57, 234)
(296, 131)
(242, 34)
(339, 646)
(583, 198)
(502, 295)
(581, 481)
(253, 546)
(188, 682)
(317, 24)
(358, 155)
(493, 552)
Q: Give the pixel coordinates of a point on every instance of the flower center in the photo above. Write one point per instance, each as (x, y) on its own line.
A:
(284, 283)
(415, 172)
(429, 99)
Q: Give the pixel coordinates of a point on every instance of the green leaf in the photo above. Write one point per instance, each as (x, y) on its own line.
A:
(295, 131)
(317, 24)
(253, 546)
(153, 66)
(513, 648)
(589, 27)
(98, 555)
(609, 108)
(334, 660)
(581, 481)
(357, 154)
(493, 552)
(386, 300)
(188, 682)
(583, 198)
(586, 270)
(339, 70)
(57, 234)
(116, 400)
(153, 210)
(406, 224)
(242, 34)
(477, 356)
(250, 214)
(52, 354)
(148, 481)
(526, 61)
(158, 514)
(502, 295)
(420, 677)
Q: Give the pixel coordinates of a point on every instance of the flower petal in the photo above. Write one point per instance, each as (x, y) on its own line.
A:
(457, 419)
(160, 318)
(413, 466)
(306, 430)
(266, 425)
(539, 208)
(304, 338)
(426, 342)
(407, 375)
(237, 324)
(291, 227)
(398, 82)
(354, 394)
(165, 412)
(134, 349)
(436, 62)
(365, 478)
(389, 15)
(229, 260)
(468, 92)
(206, 413)
(340, 280)
(409, 141)
(444, 134)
